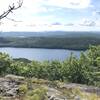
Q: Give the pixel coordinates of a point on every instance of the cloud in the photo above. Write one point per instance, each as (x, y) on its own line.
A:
(98, 23)
(87, 22)
(28, 8)
(35, 7)
(73, 4)
(69, 24)
(96, 13)
(56, 23)
(50, 15)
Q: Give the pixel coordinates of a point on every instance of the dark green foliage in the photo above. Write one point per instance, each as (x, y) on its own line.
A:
(22, 60)
(37, 94)
(18, 68)
(76, 43)
(84, 70)
(4, 63)
(54, 70)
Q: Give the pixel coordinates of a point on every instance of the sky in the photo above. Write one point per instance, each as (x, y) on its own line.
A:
(52, 15)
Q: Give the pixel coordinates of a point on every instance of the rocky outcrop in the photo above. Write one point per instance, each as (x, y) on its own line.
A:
(84, 88)
(14, 77)
(54, 94)
(9, 85)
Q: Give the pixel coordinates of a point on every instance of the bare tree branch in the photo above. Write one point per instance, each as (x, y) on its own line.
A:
(12, 19)
(11, 8)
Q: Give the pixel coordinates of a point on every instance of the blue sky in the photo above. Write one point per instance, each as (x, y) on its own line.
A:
(49, 15)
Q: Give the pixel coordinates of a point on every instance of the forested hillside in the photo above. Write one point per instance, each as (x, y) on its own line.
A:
(75, 43)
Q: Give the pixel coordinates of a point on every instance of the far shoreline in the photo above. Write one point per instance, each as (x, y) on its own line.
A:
(75, 49)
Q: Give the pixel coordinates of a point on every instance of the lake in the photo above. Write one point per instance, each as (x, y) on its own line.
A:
(39, 54)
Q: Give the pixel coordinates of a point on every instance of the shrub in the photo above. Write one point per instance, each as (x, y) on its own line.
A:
(38, 93)
(23, 89)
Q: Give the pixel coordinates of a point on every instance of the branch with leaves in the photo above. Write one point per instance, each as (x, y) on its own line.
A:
(11, 8)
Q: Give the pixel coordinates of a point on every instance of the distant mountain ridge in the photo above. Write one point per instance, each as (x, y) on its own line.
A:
(50, 34)
(54, 39)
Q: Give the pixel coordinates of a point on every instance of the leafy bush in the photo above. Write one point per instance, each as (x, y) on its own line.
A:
(23, 89)
(37, 94)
